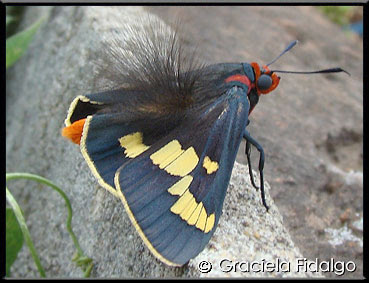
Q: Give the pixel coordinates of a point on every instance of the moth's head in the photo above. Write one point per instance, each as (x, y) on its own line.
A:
(265, 79)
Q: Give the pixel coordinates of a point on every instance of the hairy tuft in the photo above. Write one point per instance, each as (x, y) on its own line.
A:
(149, 58)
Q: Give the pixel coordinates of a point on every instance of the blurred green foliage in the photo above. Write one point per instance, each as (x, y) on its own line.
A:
(9, 20)
(18, 43)
(14, 239)
(17, 231)
(341, 15)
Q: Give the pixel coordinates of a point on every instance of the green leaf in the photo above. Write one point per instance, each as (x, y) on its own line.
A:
(17, 44)
(14, 239)
(23, 226)
(81, 260)
(9, 19)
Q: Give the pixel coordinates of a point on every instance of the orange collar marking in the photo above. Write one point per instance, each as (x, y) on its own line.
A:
(275, 78)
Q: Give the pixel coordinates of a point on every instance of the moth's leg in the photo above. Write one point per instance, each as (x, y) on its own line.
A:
(251, 140)
(248, 155)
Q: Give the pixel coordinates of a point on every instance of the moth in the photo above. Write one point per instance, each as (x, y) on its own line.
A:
(164, 137)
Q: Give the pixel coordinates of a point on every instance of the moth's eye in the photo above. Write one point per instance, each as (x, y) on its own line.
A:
(264, 82)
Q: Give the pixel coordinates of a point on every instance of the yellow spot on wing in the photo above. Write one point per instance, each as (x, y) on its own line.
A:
(201, 221)
(185, 214)
(210, 223)
(133, 144)
(181, 203)
(167, 154)
(210, 166)
(192, 212)
(174, 160)
(195, 215)
(184, 164)
(181, 186)
(178, 162)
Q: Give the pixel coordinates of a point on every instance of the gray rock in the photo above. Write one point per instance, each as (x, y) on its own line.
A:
(248, 234)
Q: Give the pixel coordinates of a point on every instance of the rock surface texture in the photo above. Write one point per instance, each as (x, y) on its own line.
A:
(311, 130)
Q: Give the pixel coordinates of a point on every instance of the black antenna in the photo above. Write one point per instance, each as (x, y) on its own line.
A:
(288, 48)
(332, 70)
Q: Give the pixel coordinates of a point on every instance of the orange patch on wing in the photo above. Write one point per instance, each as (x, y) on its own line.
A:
(74, 131)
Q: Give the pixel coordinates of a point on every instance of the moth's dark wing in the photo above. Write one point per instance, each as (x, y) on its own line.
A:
(174, 190)
(110, 116)
(101, 148)
(85, 105)
(101, 132)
